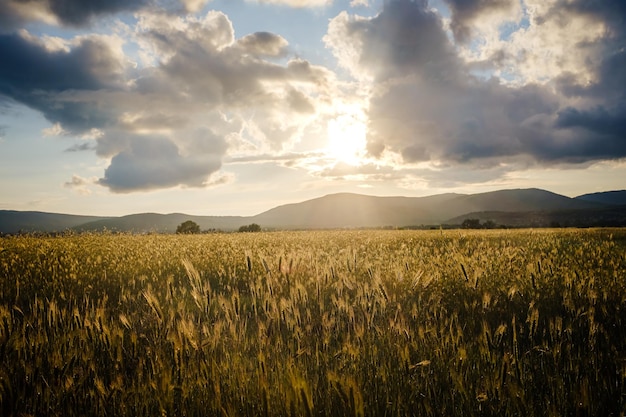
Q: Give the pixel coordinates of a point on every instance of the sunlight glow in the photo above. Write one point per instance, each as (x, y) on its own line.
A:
(346, 139)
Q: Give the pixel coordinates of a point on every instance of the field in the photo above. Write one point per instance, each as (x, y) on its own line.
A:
(333, 323)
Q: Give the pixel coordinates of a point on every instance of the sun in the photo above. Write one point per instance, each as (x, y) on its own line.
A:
(346, 139)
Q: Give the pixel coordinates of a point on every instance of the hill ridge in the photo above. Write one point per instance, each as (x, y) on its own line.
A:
(336, 210)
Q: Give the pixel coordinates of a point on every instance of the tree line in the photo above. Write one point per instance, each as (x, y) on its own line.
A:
(190, 227)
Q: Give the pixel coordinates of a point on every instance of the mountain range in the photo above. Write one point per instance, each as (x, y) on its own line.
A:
(515, 208)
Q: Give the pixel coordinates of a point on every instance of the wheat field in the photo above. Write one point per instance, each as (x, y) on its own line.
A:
(328, 323)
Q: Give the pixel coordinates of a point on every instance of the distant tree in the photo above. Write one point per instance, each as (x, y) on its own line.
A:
(188, 227)
(471, 224)
(250, 228)
(489, 224)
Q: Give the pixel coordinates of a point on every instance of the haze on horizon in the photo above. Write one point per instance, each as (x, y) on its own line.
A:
(232, 107)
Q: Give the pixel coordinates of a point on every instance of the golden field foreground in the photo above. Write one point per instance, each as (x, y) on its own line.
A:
(337, 323)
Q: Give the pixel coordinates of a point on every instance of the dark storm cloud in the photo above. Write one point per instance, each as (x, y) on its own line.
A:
(611, 76)
(427, 106)
(610, 58)
(454, 122)
(154, 163)
(603, 120)
(611, 12)
(405, 37)
(78, 12)
(610, 69)
(13, 13)
(21, 71)
(464, 12)
(573, 145)
(46, 80)
(598, 120)
(608, 87)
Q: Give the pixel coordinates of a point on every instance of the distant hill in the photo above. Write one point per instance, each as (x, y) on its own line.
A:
(609, 197)
(531, 199)
(162, 223)
(521, 207)
(35, 221)
(356, 210)
(606, 216)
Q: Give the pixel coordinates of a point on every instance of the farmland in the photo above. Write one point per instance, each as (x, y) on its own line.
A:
(328, 323)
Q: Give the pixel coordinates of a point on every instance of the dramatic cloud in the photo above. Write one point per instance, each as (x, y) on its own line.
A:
(202, 65)
(90, 65)
(406, 37)
(466, 13)
(156, 162)
(195, 77)
(65, 12)
(173, 92)
(428, 106)
(93, 63)
(80, 13)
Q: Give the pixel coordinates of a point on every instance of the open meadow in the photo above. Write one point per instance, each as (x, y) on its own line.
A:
(328, 323)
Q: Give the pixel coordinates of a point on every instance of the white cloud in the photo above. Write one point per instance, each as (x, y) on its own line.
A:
(359, 3)
(164, 35)
(346, 46)
(193, 6)
(54, 130)
(545, 47)
(203, 75)
(80, 184)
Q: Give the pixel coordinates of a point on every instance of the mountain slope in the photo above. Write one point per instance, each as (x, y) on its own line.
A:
(607, 197)
(356, 210)
(12, 221)
(531, 199)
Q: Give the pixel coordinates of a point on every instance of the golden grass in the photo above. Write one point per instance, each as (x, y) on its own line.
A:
(350, 323)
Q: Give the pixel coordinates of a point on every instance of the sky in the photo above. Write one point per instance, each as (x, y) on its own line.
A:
(232, 107)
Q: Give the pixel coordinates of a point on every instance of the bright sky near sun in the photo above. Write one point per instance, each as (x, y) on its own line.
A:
(232, 107)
